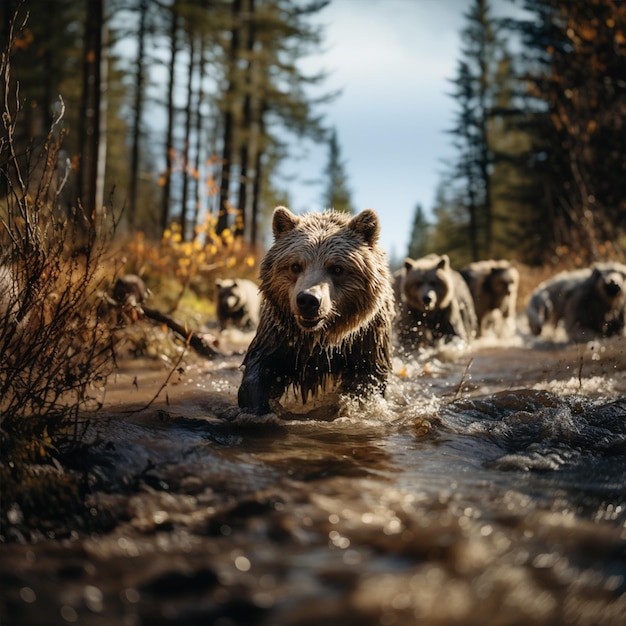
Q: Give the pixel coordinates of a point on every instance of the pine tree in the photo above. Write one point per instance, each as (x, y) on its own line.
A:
(575, 64)
(420, 234)
(337, 194)
(267, 96)
(448, 234)
(475, 95)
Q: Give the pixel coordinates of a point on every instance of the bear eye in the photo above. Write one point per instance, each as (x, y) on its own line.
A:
(296, 268)
(335, 270)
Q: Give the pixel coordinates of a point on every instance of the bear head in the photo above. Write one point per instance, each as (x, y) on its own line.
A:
(325, 273)
(609, 280)
(502, 281)
(130, 289)
(229, 297)
(427, 283)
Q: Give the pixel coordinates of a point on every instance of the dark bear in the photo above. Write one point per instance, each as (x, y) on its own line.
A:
(434, 304)
(130, 290)
(327, 314)
(493, 285)
(591, 302)
(238, 303)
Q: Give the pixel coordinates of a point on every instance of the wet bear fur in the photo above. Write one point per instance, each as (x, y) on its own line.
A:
(590, 302)
(238, 303)
(494, 285)
(434, 303)
(327, 314)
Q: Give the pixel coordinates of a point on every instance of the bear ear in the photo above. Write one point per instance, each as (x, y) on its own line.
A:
(366, 225)
(444, 262)
(409, 264)
(283, 221)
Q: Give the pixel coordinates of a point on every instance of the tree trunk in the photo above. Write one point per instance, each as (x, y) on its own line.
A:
(169, 136)
(227, 147)
(199, 134)
(187, 140)
(246, 147)
(92, 121)
(258, 177)
(133, 183)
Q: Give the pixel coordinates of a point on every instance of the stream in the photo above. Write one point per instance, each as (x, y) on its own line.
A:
(488, 488)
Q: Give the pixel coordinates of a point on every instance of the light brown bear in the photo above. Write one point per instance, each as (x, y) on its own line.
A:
(591, 302)
(238, 303)
(434, 303)
(327, 313)
(493, 285)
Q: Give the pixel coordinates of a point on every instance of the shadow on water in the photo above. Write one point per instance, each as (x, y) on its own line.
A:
(488, 488)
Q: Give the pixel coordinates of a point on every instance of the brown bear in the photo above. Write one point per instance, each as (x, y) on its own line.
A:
(327, 314)
(493, 285)
(130, 290)
(591, 302)
(238, 303)
(433, 302)
(545, 307)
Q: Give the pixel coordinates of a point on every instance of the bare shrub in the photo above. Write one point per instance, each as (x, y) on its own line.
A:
(55, 350)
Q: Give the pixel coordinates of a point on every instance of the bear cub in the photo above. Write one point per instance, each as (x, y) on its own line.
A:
(238, 303)
(327, 313)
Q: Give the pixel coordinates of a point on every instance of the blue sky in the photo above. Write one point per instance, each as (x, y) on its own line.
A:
(393, 60)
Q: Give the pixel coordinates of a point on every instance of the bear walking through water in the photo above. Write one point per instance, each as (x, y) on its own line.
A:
(493, 285)
(434, 304)
(327, 314)
(591, 302)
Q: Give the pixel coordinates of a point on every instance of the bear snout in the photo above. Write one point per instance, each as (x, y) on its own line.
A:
(231, 302)
(308, 304)
(612, 288)
(309, 308)
(429, 299)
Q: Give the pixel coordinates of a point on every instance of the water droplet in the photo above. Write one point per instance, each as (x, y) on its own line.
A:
(243, 564)
(28, 595)
(93, 598)
(68, 613)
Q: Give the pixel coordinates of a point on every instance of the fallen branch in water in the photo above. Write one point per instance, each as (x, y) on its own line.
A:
(193, 339)
(130, 292)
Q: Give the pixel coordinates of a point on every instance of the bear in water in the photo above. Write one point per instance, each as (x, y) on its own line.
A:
(493, 285)
(591, 302)
(434, 303)
(327, 313)
(238, 303)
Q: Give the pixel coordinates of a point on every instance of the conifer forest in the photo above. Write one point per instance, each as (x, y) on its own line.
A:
(538, 134)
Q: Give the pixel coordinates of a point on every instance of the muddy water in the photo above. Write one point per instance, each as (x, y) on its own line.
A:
(488, 488)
